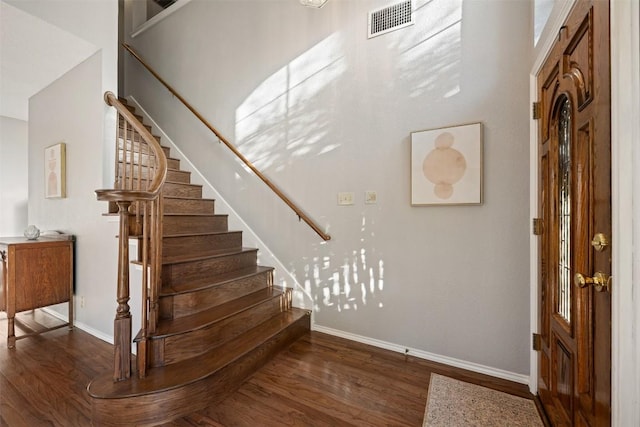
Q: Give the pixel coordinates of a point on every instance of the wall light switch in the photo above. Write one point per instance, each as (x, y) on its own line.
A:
(345, 198)
(370, 197)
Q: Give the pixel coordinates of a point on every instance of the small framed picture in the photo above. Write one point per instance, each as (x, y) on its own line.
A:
(446, 166)
(54, 171)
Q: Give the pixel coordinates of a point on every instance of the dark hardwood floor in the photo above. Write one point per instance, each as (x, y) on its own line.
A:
(320, 380)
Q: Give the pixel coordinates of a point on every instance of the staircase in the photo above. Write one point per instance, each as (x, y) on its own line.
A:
(219, 317)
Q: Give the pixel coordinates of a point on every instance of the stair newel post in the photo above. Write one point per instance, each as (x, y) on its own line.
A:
(122, 322)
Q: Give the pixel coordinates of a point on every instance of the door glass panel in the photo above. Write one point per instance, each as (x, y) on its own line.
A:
(564, 211)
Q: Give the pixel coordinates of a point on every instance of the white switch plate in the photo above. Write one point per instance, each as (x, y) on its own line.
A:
(345, 198)
(370, 197)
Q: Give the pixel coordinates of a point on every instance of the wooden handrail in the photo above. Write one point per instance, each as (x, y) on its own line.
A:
(301, 215)
(158, 179)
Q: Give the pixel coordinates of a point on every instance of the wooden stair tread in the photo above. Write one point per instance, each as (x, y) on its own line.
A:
(215, 280)
(174, 214)
(191, 370)
(185, 198)
(177, 259)
(187, 184)
(207, 233)
(167, 327)
(168, 181)
(196, 213)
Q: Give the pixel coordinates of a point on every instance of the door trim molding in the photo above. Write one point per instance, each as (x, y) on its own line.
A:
(625, 181)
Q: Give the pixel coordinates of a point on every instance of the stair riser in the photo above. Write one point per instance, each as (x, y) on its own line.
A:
(194, 224)
(201, 269)
(188, 206)
(172, 189)
(175, 306)
(167, 405)
(200, 244)
(173, 163)
(193, 343)
(129, 107)
(143, 172)
(179, 176)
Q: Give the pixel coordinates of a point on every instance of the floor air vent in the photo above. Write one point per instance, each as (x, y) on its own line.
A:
(390, 18)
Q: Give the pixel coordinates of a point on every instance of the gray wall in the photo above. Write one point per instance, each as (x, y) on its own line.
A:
(96, 22)
(14, 188)
(70, 111)
(321, 109)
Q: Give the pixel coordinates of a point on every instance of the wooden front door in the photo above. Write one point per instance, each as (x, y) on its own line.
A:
(575, 207)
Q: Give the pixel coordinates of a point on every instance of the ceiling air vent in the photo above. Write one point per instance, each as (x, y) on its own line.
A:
(390, 18)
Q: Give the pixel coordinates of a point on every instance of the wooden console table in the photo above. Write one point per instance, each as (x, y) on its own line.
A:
(34, 274)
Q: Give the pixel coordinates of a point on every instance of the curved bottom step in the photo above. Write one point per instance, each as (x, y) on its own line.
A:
(173, 391)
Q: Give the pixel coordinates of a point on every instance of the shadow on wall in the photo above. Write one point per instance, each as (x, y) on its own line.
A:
(291, 115)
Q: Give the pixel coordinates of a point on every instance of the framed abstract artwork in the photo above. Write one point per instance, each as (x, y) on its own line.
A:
(54, 171)
(446, 166)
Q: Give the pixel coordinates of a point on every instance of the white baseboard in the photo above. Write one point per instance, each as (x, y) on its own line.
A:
(462, 364)
(450, 361)
(88, 329)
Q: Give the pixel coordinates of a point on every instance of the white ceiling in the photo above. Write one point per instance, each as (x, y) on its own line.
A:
(33, 54)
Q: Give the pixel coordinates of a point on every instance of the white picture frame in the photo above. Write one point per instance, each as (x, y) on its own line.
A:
(446, 166)
(55, 171)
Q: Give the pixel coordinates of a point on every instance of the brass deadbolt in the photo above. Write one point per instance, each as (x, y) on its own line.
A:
(599, 242)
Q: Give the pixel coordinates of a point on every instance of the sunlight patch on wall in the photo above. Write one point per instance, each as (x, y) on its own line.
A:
(283, 117)
(349, 282)
(431, 54)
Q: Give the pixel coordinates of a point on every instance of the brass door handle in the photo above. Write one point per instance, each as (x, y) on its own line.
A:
(600, 281)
